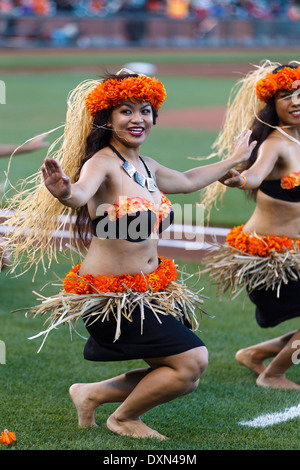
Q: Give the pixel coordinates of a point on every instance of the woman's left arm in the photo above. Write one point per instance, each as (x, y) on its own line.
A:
(172, 181)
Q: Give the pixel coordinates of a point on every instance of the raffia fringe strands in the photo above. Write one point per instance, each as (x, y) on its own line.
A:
(234, 270)
(243, 105)
(175, 299)
(28, 241)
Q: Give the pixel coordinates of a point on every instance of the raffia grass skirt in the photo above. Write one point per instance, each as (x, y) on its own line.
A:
(272, 282)
(127, 325)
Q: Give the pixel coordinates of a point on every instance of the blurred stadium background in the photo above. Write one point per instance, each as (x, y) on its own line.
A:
(198, 48)
(155, 23)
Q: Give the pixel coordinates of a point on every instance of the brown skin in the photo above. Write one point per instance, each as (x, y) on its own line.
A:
(35, 144)
(102, 181)
(278, 156)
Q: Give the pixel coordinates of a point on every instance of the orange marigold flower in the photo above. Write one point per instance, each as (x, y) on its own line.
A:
(113, 91)
(284, 79)
(258, 245)
(7, 437)
(165, 273)
(290, 181)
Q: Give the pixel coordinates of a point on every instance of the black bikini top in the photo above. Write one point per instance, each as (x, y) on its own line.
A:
(286, 189)
(134, 219)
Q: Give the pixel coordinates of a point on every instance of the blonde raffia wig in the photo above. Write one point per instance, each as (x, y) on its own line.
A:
(242, 108)
(37, 217)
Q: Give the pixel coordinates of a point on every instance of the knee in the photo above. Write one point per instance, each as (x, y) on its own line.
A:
(195, 364)
(201, 361)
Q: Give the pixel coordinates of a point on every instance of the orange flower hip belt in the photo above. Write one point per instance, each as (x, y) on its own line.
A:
(253, 261)
(156, 281)
(116, 297)
(259, 245)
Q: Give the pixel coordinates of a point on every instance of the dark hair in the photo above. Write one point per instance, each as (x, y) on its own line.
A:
(98, 138)
(262, 127)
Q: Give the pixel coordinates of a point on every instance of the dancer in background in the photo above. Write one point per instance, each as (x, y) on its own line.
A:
(6, 150)
(263, 254)
(128, 296)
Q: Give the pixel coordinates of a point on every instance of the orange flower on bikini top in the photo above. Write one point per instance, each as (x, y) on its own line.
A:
(290, 181)
(165, 273)
(7, 437)
(134, 204)
(258, 245)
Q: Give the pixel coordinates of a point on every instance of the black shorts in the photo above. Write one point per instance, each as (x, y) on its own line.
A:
(162, 338)
(272, 310)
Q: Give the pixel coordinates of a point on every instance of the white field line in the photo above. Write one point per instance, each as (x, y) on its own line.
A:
(273, 418)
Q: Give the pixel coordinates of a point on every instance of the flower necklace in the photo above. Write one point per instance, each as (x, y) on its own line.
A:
(139, 178)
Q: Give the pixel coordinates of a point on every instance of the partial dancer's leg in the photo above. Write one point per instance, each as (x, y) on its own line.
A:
(253, 357)
(139, 391)
(169, 378)
(88, 396)
(274, 374)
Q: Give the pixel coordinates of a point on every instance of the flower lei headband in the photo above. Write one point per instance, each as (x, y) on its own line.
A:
(284, 79)
(114, 90)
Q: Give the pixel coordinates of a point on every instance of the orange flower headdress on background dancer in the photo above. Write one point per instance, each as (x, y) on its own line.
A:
(37, 216)
(247, 99)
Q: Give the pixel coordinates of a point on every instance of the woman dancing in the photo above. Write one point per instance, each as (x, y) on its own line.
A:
(263, 254)
(127, 295)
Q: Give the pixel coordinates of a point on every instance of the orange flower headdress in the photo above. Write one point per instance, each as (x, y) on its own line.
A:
(247, 99)
(114, 90)
(32, 240)
(285, 79)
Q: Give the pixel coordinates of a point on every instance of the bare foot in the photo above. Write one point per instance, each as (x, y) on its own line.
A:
(133, 428)
(248, 357)
(82, 398)
(276, 382)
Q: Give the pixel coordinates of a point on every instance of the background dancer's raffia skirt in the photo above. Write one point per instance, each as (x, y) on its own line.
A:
(267, 267)
(136, 317)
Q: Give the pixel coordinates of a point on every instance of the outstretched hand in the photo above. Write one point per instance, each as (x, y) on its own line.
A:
(55, 179)
(38, 142)
(242, 147)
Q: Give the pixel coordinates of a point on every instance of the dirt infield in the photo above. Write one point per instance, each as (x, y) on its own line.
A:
(210, 118)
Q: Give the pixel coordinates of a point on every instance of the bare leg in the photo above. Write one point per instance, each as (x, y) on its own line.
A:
(253, 357)
(274, 374)
(140, 391)
(88, 396)
(169, 378)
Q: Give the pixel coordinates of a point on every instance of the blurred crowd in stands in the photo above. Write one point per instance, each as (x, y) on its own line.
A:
(243, 9)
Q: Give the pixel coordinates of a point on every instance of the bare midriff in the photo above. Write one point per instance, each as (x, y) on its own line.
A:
(274, 217)
(116, 257)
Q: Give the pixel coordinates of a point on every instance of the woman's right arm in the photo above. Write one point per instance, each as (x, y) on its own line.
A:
(92, 175)
(267, 157)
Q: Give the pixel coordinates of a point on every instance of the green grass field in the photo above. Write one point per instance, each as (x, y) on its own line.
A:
(34, 387)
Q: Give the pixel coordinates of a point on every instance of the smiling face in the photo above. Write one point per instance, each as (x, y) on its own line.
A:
(131, 122)
(287, 105)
